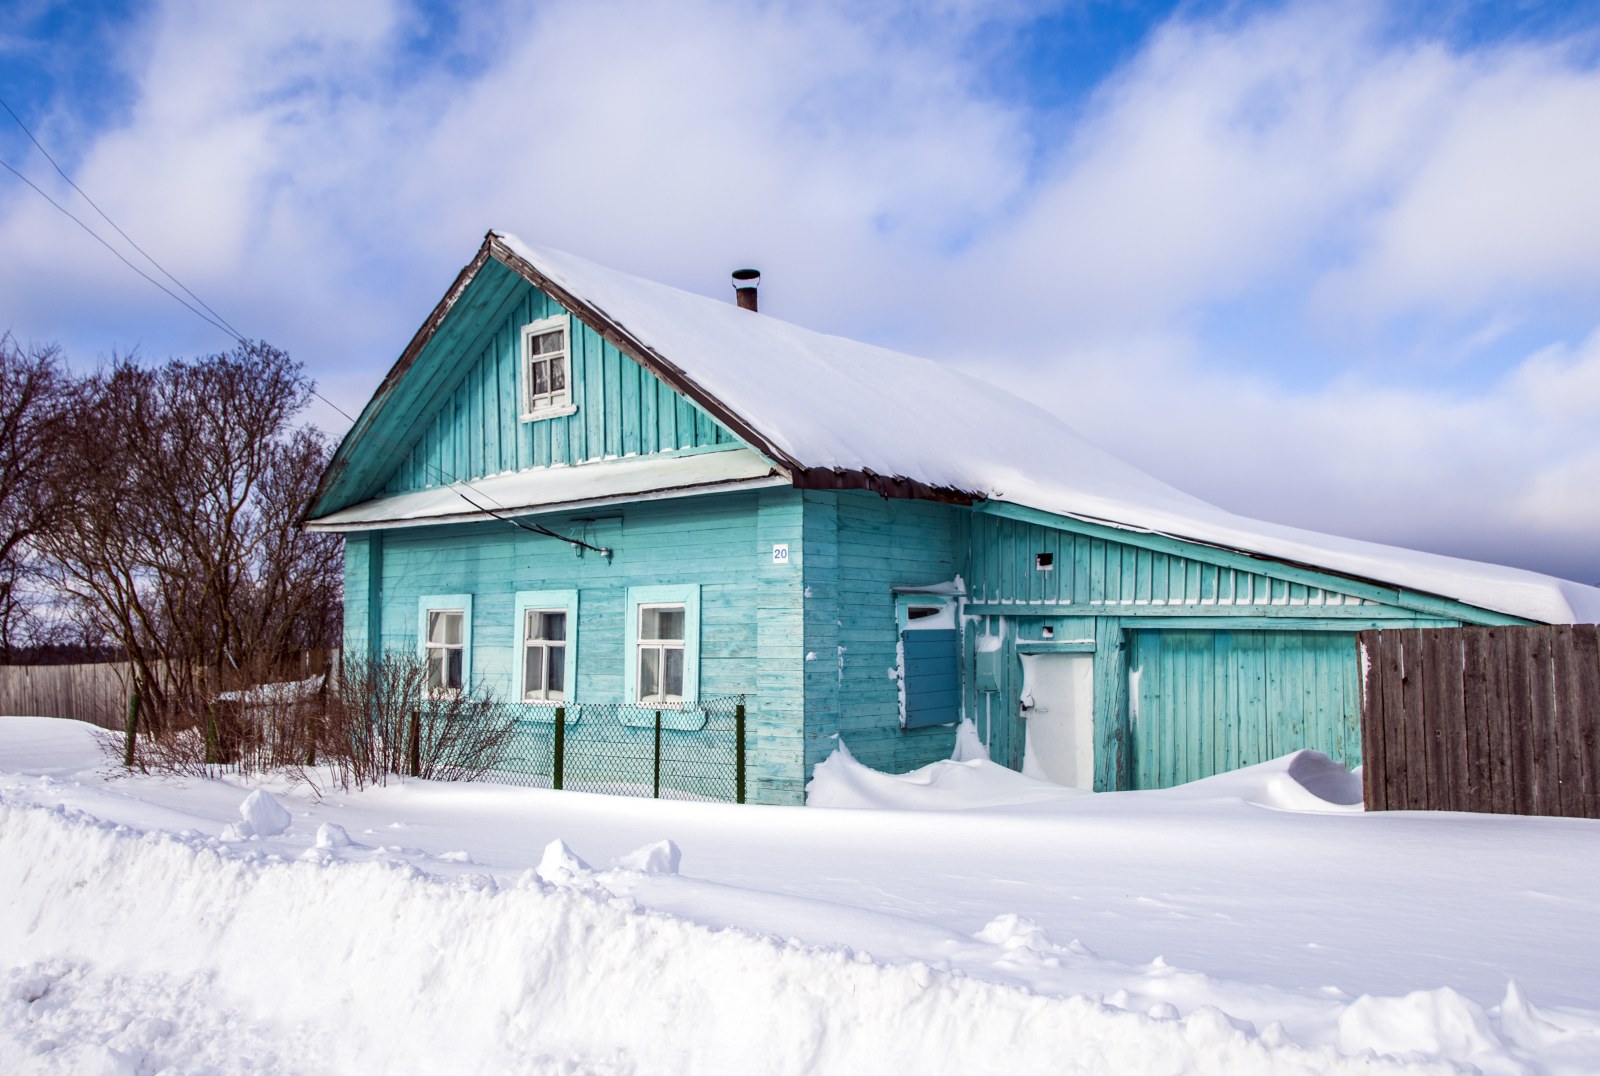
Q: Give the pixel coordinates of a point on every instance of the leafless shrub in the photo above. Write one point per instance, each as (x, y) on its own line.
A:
(173, 530)
(275, 725)
(34, 393)
(383, 721)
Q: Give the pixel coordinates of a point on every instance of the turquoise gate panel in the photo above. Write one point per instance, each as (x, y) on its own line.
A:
(1205, 702)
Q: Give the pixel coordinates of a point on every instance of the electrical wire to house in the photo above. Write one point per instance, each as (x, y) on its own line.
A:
(217, 321)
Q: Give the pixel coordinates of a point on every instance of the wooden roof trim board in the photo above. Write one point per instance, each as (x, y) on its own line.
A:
(369, 413)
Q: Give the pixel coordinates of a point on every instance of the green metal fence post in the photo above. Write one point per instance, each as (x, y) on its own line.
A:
(133, 730)
(213, 737)
(561, 747)
(738, 751)
(657, 790)
(414, 745)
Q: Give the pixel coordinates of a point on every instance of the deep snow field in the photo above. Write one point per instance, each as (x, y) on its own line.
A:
(962, 919)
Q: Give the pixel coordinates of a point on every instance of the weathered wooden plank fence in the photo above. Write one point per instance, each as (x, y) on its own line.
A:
(95, 693)
(98, 693)
(1503, 720)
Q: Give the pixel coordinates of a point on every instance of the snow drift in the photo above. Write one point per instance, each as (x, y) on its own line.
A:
(473, 975)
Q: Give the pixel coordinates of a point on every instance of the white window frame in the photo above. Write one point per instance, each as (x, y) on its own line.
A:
(446, 603)
(554, 404)
(686, 595)
(527, 601)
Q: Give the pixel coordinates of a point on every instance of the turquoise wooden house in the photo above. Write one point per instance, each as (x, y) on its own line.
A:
(578, 486)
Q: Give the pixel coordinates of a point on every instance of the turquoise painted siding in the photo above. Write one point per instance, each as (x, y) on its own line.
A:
(1205, 702)
(862, 547)
(777, 737)
(476, 428)
(749, 626)
(1112, 595)
(1094, 571)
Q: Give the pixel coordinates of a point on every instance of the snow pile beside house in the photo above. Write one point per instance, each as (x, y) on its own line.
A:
(950, 785)
(1303, 781)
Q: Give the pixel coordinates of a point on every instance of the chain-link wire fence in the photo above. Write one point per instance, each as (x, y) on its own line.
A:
(689, 751)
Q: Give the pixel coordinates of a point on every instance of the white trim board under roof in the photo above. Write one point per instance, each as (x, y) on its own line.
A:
(544, 489)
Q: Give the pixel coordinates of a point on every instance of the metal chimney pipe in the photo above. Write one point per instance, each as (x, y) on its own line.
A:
(745, 282)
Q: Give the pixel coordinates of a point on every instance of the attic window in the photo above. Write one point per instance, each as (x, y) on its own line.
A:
(545, 369)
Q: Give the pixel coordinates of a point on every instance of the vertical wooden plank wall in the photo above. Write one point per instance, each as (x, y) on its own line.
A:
(1503, 720)
(621, 411)
(1212, 701)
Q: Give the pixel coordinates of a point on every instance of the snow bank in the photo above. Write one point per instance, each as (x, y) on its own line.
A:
(840, 781)
(379, 968)
(1303, 781)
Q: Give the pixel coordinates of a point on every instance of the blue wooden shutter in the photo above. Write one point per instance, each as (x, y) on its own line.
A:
(933, 694)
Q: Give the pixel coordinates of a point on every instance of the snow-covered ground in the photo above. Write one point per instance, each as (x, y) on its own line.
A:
(961, 919)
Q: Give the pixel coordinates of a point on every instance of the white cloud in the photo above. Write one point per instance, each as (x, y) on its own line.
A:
(319, 176)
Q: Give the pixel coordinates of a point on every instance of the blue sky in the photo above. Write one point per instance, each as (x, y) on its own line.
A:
(1331, 264)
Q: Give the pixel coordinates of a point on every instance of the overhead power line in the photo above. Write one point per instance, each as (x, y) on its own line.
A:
(217, 321)
(220, 322)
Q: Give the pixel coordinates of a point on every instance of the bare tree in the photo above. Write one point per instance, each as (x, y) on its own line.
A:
(33, 396)
(175, 525)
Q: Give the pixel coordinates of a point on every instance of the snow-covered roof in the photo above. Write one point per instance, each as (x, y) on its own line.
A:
(830, 402)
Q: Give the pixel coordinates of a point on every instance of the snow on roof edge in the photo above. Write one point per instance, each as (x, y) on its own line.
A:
(858, 406)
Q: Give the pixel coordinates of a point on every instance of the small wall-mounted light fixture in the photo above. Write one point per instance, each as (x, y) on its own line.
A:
(1044, 562)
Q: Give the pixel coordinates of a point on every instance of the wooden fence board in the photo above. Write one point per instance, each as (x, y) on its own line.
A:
(98, 693)
(1412, 678)
(1394, 726)
(1580, 716)
(1374, 783)
(1480, 721)
(1539, 760)
(1503, 719)
(1448, 694)
(1440, 681)
(93, 693)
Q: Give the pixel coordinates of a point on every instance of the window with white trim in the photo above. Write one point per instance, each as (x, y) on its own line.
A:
(544, 665)
(663, 645)
(447, 651)
(544, 655)
(546, 344)
(660, 653)
(445, 642)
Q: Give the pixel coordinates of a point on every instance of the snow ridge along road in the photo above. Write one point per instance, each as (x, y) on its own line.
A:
(135, 938)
